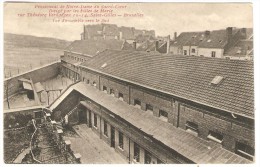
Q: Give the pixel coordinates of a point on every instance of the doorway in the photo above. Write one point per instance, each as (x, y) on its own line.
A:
(82, 117)
(112, 137)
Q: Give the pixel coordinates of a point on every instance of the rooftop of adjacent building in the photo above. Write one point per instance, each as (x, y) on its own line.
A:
(210, 39)
(185, 77)
(196, 149)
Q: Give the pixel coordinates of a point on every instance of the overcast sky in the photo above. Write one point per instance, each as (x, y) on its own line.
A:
(164, 18)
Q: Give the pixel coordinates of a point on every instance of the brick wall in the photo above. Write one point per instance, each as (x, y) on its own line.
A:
(231, 131)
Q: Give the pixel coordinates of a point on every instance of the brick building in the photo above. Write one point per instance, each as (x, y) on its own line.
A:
(215, 43)
(155, 108)
(83, 50)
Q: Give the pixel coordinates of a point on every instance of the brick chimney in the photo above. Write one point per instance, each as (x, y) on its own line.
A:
(168, 44)
(207, 33)
(229, 33)
(175, 36)
(156, 45)
(134, 45)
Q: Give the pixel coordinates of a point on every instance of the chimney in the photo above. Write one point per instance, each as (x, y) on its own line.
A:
(168, 44)
(175, 36)
(207, 33)
(229, 33)
(243, 33)
(156, 45)
(120, 35)
(134, 45)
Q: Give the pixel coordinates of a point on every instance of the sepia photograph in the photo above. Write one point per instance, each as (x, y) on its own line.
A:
(128, 83)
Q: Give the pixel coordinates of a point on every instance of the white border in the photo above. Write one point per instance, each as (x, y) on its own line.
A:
(256, 14)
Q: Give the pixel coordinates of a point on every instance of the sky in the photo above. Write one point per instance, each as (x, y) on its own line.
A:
(164, 18)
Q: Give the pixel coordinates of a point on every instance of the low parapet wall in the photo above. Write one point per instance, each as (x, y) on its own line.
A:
(37, 75)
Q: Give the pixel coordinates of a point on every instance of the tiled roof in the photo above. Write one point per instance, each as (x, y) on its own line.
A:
(215, 39)
(92, 47)
(194, 148)
(186, 77)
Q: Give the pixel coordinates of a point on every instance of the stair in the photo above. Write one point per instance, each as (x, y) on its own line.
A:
(69, 113)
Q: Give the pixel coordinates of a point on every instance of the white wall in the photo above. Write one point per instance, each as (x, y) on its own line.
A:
(206, 52)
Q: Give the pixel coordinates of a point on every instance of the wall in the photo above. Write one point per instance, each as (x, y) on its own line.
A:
(230, 130)
(40, 74)
(206, 52)
(21, 116)
(66, 105)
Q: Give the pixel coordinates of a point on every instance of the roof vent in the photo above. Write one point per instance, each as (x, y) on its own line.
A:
(217, 80)
(104, 65)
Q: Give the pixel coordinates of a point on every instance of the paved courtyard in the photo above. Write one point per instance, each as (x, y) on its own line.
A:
(92, 149)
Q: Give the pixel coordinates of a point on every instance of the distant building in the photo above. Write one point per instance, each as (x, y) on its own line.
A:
(209, 43)
(112, 31)
(83, 50)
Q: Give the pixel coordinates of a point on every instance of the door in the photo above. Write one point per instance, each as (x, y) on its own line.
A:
(89, 119)
(82, 116)
(147, 157)
(112, 137)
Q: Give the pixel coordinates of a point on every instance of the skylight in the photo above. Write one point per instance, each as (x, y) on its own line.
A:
(217, 80)
(104, 65)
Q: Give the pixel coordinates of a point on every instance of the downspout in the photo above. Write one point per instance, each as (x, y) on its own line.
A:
(129, 157)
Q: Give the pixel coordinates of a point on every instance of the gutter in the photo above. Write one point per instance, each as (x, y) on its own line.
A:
(171, 94)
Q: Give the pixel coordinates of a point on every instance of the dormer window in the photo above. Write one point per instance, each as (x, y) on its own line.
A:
(104, 65)
(217, 80)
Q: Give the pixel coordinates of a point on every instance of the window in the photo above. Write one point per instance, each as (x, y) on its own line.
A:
(112, 92)
(217, 137)
(216, 80)
(95, 120)
(193, 50)
(163, 115)
(147, 157)
(192, 128)
(87, 81)
(105, 128)
(185, 52)
(201, 55)
(137, 103)
(245, 150)
(159, 161)
(120, 96)
(105, 89)
(94, 83)
(136, 152)
(149, 107)
(121, 140)
(213, 54)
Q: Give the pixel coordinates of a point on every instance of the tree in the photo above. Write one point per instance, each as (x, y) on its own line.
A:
(7, 86)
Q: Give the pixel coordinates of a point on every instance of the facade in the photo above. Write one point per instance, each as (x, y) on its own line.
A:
(209, 43)
(112, 31)
(163, 112)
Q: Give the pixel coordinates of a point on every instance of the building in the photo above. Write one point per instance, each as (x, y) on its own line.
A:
(243, 49)
(112, 31)
(209, 43)
(83, 50)
(163, 108)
